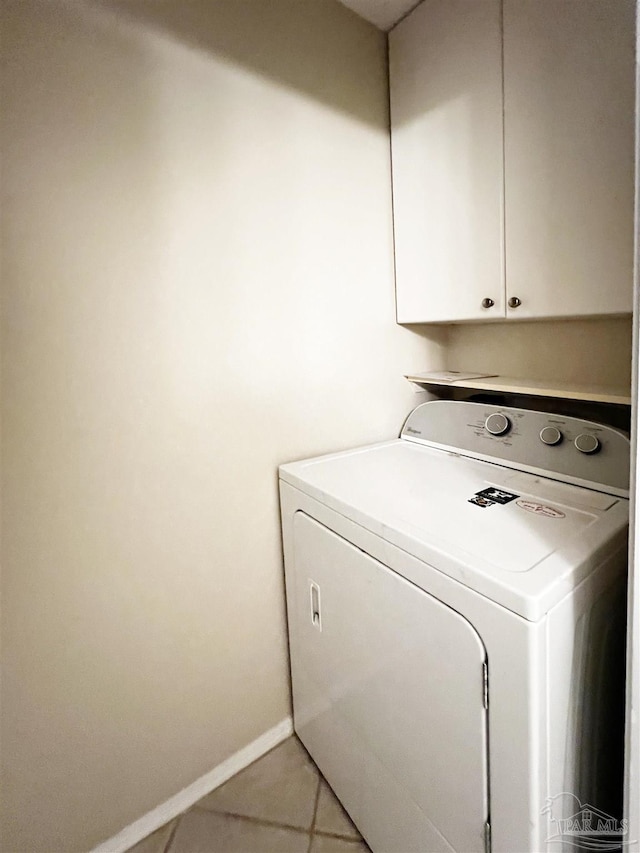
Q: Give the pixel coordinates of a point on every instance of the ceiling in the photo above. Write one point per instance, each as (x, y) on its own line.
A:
(383, 13)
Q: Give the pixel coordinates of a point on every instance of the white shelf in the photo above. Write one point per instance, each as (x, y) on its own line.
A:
(595, 393)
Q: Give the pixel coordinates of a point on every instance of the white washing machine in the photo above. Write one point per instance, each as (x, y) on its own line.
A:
(456, 622)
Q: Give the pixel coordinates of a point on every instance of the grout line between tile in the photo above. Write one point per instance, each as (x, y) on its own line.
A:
(248, 819)
(337, 835)
(315, 814)
(172, 834)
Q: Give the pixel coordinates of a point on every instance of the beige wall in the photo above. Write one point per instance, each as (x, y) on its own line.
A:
(596, 352)
(197, 286)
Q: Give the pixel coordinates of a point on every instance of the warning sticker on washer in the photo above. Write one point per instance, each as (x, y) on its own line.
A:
(498, 496)
(541, 509)
(478, 500)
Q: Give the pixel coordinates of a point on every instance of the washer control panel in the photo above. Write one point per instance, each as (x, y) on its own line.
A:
(564, 448)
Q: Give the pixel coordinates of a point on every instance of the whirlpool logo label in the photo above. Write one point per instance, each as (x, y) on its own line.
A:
(582, 825)
(541, 509)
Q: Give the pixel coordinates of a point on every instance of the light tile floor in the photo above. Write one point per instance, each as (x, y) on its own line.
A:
(279, 804)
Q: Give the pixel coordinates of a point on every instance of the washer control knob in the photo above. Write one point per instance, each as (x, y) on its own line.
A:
(497, 424)
(550, 435)
(587, 443)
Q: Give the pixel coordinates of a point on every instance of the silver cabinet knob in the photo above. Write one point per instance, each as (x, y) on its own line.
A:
(587, 443)
(514, 302)
(487, 302)
(550, 435)
(497, 424)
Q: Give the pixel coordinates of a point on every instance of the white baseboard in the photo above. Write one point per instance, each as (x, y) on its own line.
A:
(185, 798)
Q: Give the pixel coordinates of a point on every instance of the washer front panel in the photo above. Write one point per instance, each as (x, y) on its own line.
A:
(388, 682)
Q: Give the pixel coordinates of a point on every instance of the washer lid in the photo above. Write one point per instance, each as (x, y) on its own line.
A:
(522, 540)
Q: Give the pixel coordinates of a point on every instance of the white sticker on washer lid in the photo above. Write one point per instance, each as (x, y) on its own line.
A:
(573, 497)
(540, 509)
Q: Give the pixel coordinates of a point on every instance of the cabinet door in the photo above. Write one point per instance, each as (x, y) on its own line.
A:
(569, 139)
(446, 136)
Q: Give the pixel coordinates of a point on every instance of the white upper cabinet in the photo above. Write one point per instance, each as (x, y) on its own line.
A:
(512, 143)
(569, 148)
(446, 136)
